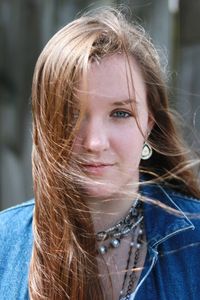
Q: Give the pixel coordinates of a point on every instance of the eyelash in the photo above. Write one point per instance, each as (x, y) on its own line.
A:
(123, 114)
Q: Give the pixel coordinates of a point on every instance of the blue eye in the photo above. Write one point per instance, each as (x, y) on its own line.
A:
(121, 114)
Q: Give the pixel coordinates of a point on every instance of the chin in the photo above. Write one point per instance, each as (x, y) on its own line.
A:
(100, 190)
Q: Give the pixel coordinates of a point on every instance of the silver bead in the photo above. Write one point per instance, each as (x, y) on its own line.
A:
(132, 244)
(140, 231)
(115, 243)
(138, 245)
(102, 249)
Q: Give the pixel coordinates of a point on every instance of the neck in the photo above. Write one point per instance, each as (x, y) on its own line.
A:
(106, 212)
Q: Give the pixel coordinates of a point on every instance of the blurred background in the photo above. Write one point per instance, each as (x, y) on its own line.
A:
(26, 26)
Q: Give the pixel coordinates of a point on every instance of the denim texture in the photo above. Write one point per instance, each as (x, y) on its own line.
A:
(172, 265)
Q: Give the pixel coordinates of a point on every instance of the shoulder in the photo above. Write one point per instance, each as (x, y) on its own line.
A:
(186, 203)
(171, 197)
(16, 239)
(175, 209)
(16, 227)
(17, 217)
(189, 207)
(19, 208)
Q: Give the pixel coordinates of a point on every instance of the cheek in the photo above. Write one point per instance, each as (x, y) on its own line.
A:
(77, 144)
(75, 147)
(128, 145)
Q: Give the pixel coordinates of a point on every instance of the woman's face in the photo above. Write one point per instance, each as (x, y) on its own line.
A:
(109, 142)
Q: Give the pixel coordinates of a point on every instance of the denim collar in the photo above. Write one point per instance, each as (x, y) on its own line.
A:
(161, 224)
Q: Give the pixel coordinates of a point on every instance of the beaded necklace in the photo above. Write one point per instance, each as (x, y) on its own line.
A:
(133, 277)
(120, 230)
(132, 223)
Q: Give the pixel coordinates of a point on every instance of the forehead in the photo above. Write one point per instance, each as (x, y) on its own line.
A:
(114, 78)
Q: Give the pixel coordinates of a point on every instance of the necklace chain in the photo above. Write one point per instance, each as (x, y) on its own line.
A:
(132, 278)
(131, 223)
(117, 232)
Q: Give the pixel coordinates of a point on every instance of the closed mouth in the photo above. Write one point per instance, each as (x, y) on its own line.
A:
(96, 168)
(97, 165)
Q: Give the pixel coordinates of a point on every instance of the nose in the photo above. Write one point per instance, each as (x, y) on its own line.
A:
(95, 137)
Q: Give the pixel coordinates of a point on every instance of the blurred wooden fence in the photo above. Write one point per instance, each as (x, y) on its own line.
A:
(25, 27)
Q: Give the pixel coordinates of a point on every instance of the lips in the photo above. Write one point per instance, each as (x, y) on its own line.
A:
(96, 164)
(97, 168)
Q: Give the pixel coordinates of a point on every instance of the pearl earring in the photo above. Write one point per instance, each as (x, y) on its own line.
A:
(146, 151)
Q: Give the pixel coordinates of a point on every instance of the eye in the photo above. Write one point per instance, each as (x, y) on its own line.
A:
(121, 114)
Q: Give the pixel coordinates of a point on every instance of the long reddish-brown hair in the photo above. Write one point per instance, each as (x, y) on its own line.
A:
(63, 264)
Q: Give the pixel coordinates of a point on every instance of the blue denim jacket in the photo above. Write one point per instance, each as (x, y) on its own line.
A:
(172, 265)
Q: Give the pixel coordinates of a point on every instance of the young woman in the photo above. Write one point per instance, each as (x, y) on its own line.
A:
(116, 214)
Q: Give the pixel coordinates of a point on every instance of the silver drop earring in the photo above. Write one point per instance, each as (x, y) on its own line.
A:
(146, 151)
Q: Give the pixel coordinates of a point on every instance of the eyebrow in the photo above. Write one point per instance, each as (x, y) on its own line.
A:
(123, 102)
